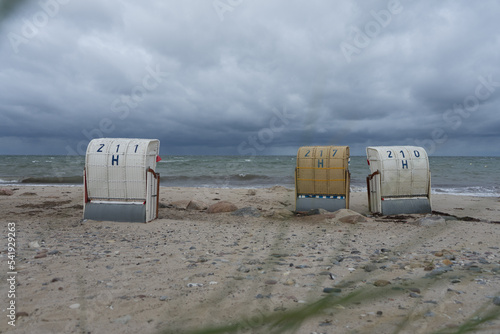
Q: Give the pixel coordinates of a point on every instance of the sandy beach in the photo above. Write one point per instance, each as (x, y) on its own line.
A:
(190, 269)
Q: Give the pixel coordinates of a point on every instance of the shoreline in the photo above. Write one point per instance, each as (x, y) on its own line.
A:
(354, 189)
(190, 269)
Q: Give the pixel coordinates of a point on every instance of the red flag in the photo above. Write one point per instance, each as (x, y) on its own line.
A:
(158, 158)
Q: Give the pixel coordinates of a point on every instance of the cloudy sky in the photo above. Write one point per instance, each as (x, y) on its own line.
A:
(251, 76)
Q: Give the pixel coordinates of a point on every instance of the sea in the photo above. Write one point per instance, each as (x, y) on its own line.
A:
(471, 176)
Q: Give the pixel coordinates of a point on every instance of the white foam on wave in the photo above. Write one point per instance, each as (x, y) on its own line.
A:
(358, 189)
(9, 182)
(469, 191)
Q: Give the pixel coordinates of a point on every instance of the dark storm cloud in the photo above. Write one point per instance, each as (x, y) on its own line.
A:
(250, 77)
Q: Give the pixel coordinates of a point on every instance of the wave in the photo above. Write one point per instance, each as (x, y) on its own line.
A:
(4, 181)
(234, 180)
(357, 189)
(204, 178)
(245, 180)
(465, 191)
(240, 180)
(468, 191)
(53, 180)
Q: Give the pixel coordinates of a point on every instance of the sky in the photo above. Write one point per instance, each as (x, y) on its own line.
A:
(259, 77)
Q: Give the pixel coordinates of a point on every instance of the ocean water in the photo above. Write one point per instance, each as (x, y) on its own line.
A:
(475, 176)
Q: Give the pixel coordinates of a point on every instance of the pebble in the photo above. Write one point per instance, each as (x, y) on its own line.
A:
(455, 291)
(278, 255)
(243, 269)
(22, 314)
(473, 267)
(438, 271)
(261, 296)
(41, 255)
(496, 301)
(34, 244)
(302, 266)
(74, 306)
(248, 211)
(191, 285)
(326, 323)
(370, 267)
(339, 258)
(381, 282)
(123, 320)
(163, 298)
(447, 262)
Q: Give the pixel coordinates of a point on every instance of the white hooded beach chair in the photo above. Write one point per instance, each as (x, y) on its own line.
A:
(120, 180)
(400, 180)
